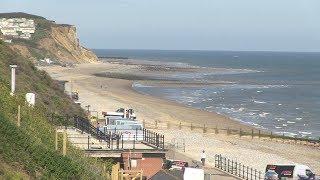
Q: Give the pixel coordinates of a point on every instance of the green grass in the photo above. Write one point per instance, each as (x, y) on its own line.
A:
(30, 148)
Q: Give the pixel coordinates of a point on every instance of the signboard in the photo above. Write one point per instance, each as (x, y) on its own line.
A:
(31, 99)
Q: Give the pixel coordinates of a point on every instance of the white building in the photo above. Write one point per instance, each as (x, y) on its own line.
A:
(17, 27)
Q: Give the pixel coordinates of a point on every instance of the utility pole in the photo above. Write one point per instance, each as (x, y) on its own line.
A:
(13, 79)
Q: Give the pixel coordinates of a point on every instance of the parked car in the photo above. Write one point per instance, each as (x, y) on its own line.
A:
(294, 172)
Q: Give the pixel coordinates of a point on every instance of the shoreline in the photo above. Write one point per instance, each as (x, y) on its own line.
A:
(116, 93)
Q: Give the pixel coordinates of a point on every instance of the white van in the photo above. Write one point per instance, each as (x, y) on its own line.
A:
(294, 172)
(193, 174)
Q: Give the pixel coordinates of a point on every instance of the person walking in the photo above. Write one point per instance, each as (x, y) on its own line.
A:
(203, 157)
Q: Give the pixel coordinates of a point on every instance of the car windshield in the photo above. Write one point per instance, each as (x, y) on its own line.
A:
(271, 175)
(308, 172)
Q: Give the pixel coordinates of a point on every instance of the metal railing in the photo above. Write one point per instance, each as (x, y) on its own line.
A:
(153, 138)
(115, 140)
(237, 169)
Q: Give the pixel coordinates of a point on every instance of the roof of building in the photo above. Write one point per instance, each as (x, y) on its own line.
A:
(168, 175)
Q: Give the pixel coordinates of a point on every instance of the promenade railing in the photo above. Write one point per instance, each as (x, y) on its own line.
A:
(236, 168)
(116, 138)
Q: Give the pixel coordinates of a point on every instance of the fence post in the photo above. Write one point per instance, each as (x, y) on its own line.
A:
(111, 140)
(191, 127)
(157, 140)
(146, 135)
(260, 175)
(162, 141)
(216, 160)
(271, 136)
(204, 128)
(239, 173)
(88, 142)
(255, 174)
(259, 134)
(231, 166)
(228, 131)
(121, 141)
(134, 142)
(243, 171)
(228, 165)
(247, 172)
(118, 141)
(240, 133)
(136, 132)
(143, 135)
(216, 130)
(252, 133)
(180, 127)
(144, 124)
(251, 173)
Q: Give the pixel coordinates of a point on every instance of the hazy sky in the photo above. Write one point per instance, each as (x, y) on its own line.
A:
(279, 25)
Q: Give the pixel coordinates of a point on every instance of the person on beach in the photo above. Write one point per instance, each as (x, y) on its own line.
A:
(203, 157)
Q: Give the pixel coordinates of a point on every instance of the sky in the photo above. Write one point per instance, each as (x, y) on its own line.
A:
(238, 25)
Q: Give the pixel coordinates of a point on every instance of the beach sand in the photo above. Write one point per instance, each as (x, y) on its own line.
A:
(109, 94)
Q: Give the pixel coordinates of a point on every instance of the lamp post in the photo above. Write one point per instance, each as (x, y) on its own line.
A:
(13, 79)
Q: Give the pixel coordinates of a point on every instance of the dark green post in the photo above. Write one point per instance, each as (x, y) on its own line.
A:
(252, 133)
(204, 128)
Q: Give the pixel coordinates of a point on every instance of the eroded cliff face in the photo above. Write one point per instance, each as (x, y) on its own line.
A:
(58, 42)
(64, 45)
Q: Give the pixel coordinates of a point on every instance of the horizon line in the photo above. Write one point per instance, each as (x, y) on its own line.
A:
(277, 51)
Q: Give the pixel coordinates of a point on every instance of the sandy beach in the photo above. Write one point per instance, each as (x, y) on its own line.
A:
(109, 93)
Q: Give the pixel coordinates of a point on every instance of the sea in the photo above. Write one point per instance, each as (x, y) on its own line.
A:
(274, 91)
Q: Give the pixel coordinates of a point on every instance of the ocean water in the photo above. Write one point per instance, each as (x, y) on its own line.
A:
(277, 91)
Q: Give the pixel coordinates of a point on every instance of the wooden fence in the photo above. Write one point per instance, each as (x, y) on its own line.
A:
(253, 133)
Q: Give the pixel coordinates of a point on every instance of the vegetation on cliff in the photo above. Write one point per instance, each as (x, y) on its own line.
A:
(28, 151)
(50, 40)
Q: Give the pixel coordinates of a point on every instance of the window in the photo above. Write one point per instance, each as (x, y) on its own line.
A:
(309, 173)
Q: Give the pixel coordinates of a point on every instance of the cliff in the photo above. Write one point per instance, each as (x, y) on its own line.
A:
(58, 42)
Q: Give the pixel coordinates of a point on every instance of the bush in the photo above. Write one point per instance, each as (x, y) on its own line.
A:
(31, 146)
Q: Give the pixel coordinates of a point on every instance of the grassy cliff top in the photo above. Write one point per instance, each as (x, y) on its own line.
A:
(27, 152)
(20, 15)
